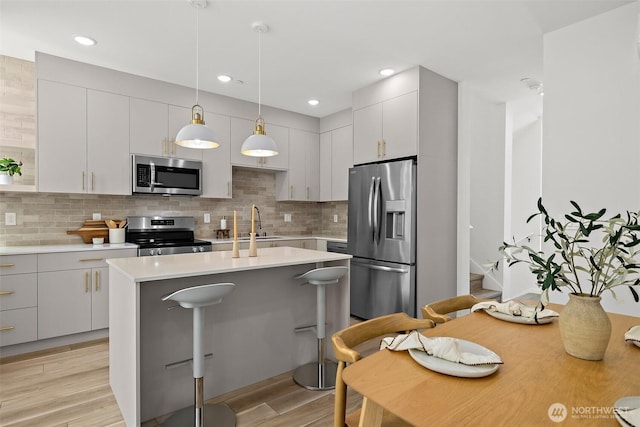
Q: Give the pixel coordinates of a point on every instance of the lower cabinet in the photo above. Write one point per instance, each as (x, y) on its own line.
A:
(18, 299)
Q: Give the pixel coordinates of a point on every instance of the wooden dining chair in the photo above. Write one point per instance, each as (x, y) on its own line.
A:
(344, 342)
(437, 311)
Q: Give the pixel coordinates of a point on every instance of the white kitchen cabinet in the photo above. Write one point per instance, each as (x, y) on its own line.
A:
(386, 130)
(18, 299)
(336, 157)
(302, 180)
(62, 137)
(73, 291)
(108, 168)
(154, 126)
(241, 129)
(216, 174)
(83, 140)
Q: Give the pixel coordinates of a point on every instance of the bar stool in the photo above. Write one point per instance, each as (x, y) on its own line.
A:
(321, 374)
(197, 298)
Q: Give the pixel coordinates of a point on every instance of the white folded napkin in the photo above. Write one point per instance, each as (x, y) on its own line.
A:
(514, 308)
(633, 334)
(630, 416)
(444, 347)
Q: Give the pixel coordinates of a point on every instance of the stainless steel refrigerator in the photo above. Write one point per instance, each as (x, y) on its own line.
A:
(382, 238)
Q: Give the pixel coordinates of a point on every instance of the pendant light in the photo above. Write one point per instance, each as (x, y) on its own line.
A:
(196, 134)
(259, 144)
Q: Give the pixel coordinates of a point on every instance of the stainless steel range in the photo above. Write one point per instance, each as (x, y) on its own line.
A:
(164, 235)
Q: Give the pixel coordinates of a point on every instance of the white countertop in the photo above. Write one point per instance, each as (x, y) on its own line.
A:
(144, 269)
(44, 249)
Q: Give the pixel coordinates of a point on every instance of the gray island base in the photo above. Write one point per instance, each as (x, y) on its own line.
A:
(249, 337)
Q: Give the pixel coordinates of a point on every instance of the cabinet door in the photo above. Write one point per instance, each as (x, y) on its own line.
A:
(216, 174)
(64, 302)
(341, 161)
(100, 298)
(367, 134)
(297, 164)
(280, 135)
(178, 118)
(62, 138)
(240, 129)
(325, 166)
(312, 169)
(108, 143)
(400, 126)
(149, 127)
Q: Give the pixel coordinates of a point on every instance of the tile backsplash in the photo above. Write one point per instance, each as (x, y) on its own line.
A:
(44, 218)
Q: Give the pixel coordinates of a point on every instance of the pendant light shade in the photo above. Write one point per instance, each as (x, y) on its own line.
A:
(259, 144)
(196, 134)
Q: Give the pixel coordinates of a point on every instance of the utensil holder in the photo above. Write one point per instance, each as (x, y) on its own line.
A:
(253, 248)
(235, 252)
(116, 235)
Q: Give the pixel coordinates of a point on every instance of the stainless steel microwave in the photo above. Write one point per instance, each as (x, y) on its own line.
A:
(166, 176)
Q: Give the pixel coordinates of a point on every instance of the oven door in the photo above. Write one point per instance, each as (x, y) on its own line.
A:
(166, 176)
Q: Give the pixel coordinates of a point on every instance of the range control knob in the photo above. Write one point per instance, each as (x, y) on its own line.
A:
(159, 251)
(152, 252)
(201, 249)
(194, 250)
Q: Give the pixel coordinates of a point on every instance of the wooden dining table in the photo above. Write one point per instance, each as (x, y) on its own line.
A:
(539, 384)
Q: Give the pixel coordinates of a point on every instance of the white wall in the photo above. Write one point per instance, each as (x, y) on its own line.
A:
(483, 124)
(525, 190)
(592, 121)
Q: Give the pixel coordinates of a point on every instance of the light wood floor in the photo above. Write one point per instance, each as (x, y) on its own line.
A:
(69, 386)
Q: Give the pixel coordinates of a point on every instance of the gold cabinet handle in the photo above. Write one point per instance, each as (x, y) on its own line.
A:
(228, 188)
(378, 149)
(5, 293)
(291, 193)
(91, 259)
(6, 328)
(97, 282)
(82, 180)
(93, 187)
(7, 265)
(384, 148)
(164, 146)
(173, 146)
(86, 282)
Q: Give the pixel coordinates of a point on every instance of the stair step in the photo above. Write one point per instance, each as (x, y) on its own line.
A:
(475, 281)
(483, 293)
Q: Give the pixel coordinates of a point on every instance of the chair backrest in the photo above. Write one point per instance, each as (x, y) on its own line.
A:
(437, 311)
(346, 339)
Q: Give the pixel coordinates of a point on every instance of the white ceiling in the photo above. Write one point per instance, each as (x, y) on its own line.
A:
(315, 49)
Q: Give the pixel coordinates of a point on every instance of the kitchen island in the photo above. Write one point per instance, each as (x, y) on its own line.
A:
(249, 337)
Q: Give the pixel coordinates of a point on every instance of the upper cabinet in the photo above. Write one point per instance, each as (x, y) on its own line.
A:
(83, 140)
(385, 119)
(302, 181)
(216, 163)
(242, 128)
(154, 126)
(336, 157)
(386, 130)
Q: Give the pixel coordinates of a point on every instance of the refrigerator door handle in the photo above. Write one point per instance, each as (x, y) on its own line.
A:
(372, 228)
(381, 267)
(376, 211)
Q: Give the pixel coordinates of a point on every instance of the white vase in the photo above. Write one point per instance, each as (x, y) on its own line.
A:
(5, 179)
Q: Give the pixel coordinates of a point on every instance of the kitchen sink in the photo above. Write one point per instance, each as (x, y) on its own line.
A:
(261, 237)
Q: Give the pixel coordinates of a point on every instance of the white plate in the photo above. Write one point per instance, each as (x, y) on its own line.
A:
(631, 402)
(550, 315)
(456, 369)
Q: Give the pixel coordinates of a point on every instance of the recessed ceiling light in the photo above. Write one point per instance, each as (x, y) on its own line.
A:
(313, 102)
(387, 71)
(84, 40)
(224, 78)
